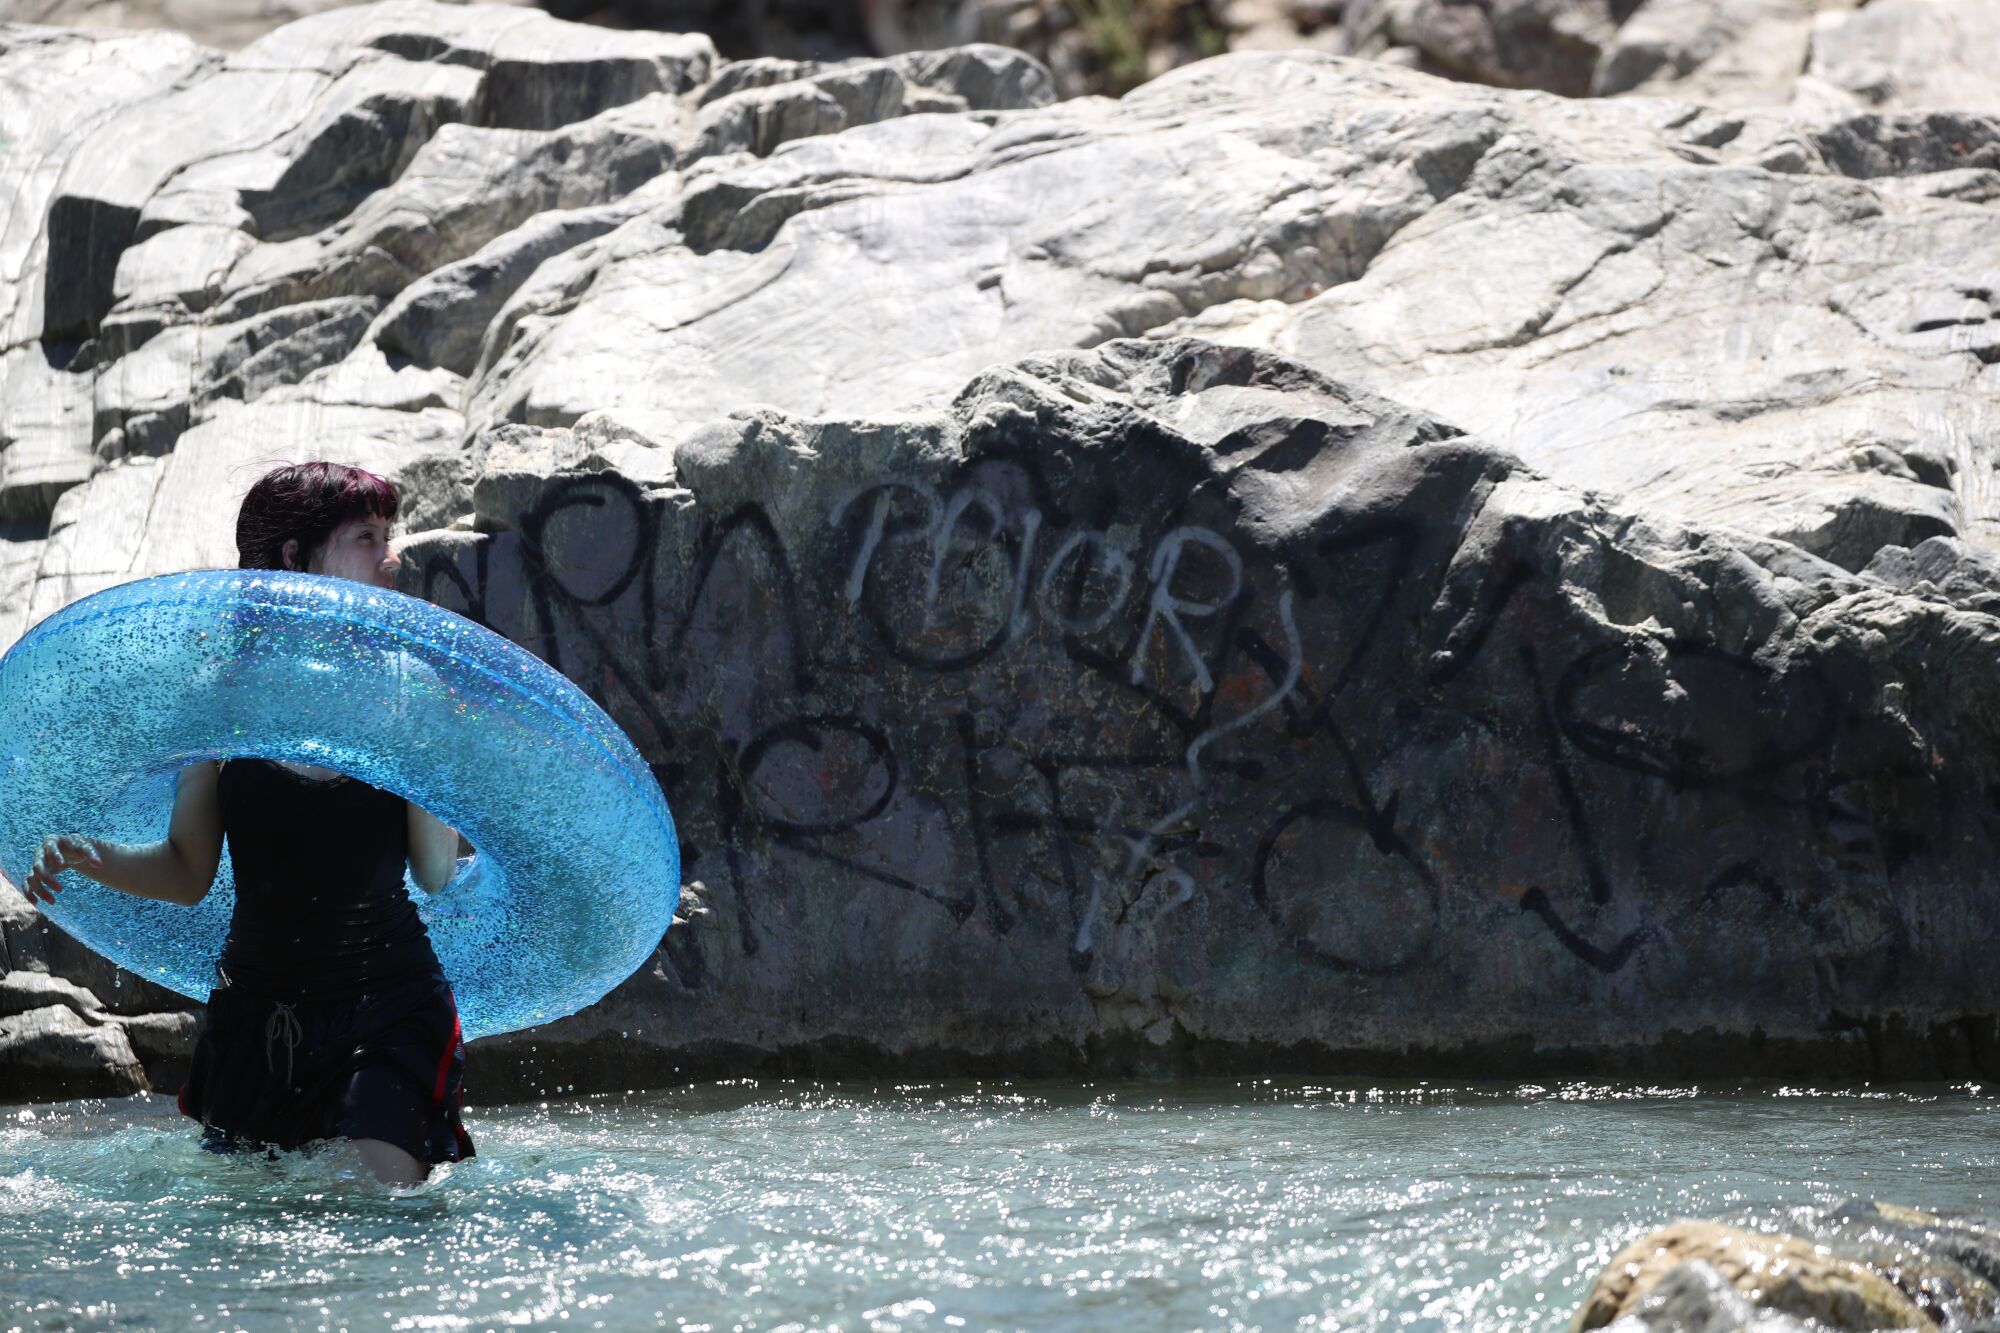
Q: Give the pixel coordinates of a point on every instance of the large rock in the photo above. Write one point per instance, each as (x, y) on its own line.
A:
(1694, 1297)
(179, 176)
(1782, 1273)
(1038, 685)
(116, 1021)
(56, 88)
(412, 164)
(1170, 703)
(37, 953)
(22, 991)
(56, 1043)
(288, 137)
(54, 1053)
(1719, 52)
(1823, 57)
(954, 241)
(1674, 342)
(1819, 54)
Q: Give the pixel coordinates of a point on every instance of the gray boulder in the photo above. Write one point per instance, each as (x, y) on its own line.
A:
(1731, 331)
(45, 959)
(22, 991)
(1694, 1297)
(117, 1032)
(1729, 53)
(537, 264)
(53, 1053)
(1667, 330)
(56, 88)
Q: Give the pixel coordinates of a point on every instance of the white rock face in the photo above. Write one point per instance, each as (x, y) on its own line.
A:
(1911, 54)
(450, 217)
(56, 89)
(1720, 52)
(1692, 310)
(224, 24)
(378, 178)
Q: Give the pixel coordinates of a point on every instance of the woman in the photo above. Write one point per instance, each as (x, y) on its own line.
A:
(330, 1017)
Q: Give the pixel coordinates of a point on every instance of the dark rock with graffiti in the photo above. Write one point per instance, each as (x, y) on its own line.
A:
(1175, 706)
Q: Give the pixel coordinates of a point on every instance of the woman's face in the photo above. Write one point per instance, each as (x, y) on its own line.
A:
(358, 550)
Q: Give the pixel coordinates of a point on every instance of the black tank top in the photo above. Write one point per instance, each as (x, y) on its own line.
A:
(321, 911)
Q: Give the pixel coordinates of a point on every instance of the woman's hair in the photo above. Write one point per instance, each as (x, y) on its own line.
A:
(305, 502)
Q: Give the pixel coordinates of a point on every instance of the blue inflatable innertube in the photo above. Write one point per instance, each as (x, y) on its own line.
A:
(577, 870)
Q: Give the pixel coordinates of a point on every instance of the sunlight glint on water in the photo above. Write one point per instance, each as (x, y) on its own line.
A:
(1042, 1206)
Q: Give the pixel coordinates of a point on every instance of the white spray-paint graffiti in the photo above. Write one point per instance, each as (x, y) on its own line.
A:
(1165, 609)
(1164, 621)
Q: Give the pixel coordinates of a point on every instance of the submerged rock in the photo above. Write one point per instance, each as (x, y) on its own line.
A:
(1781, 1273)
(1695, 1297)
(1864, 1266)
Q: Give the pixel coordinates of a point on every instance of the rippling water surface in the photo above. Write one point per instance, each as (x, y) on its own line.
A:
(771, 1206)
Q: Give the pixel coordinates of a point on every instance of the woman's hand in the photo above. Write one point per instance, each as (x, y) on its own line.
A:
(177, 869)
(65, 851)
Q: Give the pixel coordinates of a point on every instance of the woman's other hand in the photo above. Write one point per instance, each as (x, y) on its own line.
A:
(64, 851)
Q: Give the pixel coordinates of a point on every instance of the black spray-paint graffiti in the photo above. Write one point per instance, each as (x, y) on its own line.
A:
(1099, 705)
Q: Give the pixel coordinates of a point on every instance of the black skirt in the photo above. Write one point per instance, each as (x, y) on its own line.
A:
(388, 1064)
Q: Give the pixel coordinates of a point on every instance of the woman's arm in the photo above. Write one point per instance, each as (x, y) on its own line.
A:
(433, 849)
(177, 869)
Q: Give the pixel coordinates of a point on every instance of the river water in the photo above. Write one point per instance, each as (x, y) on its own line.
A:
(1212, 1205)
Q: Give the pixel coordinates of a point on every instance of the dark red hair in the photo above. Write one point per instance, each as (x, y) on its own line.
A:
(305, 502)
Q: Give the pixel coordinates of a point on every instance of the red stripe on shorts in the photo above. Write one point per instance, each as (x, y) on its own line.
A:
(444, 1061)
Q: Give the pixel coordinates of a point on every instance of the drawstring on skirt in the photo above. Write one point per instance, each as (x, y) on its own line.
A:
(282, 1023)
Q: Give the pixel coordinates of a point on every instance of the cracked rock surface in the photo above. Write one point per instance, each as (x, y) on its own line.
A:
(1308, 562)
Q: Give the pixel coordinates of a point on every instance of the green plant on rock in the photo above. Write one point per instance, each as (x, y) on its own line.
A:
(1122, 35)
(1208, 38)
(1118, 39)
